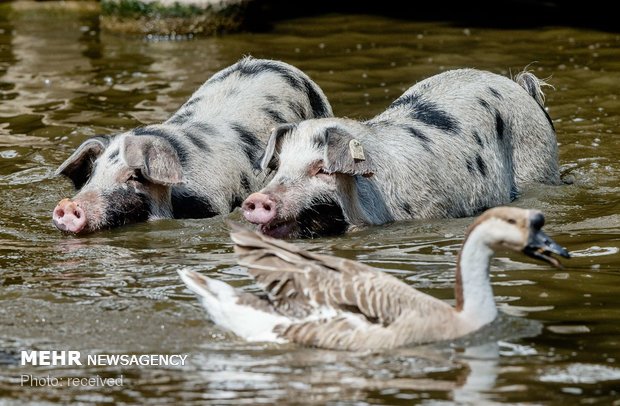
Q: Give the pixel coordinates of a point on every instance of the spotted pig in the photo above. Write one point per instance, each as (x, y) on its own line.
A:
(450, 146)
(196, 164)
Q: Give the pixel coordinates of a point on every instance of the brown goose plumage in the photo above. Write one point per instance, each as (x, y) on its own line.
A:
(336, 303)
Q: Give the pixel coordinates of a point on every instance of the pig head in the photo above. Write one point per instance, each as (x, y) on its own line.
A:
(322, 167)
(120, 180)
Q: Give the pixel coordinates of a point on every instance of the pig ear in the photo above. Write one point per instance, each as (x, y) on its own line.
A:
(345, 154)
(79, 165)
(155, 157)
(269, 158)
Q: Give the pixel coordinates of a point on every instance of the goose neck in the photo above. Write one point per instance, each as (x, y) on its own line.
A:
(474, 295)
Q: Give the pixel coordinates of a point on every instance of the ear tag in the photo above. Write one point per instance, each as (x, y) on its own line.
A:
(356, 149)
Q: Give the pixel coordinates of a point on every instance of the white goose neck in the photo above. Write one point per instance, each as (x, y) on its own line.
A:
(478, 307)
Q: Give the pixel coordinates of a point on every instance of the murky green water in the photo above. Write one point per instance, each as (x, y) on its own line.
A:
(61, 81)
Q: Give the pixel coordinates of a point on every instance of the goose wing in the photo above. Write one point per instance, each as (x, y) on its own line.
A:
(299, 284)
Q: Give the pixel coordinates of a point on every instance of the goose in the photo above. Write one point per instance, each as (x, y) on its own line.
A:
(335, 303)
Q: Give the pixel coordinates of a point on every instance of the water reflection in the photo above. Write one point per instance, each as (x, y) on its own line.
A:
(482, 362)
(285, 374)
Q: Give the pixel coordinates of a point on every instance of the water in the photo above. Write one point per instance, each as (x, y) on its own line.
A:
(62, 80)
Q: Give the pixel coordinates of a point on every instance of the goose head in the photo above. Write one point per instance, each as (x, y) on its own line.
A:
(497, 229)
(518, 230)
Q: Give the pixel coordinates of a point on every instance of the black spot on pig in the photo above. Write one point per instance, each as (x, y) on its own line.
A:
(418, 134)
(187, 205)
(182, 116)
(428, 113)
(245, 183)
(404, 100)
(319, 141)
(257, 68)
(298, 109)
(319, 109)
(174, 142)
(191, 102)
(478, 139)
(495, 93)
(254, 68)
(484, 103)
(379, 123)
(251, 145)
(196, 134)
(481, 210)
(470, 166)
(125, 206)
(482, 166)
(407, 208)
(499, 125)
(274, 115)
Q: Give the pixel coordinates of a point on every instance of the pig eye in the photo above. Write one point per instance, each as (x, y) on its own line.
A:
(137, 177)
(322, 171)
(317, 169)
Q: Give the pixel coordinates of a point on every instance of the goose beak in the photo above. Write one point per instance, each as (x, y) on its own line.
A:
(541, 246)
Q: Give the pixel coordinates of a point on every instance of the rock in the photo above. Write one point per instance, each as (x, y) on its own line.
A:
(172, 18)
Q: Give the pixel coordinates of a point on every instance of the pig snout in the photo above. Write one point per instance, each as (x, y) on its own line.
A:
(68, 216)
(259, 208)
